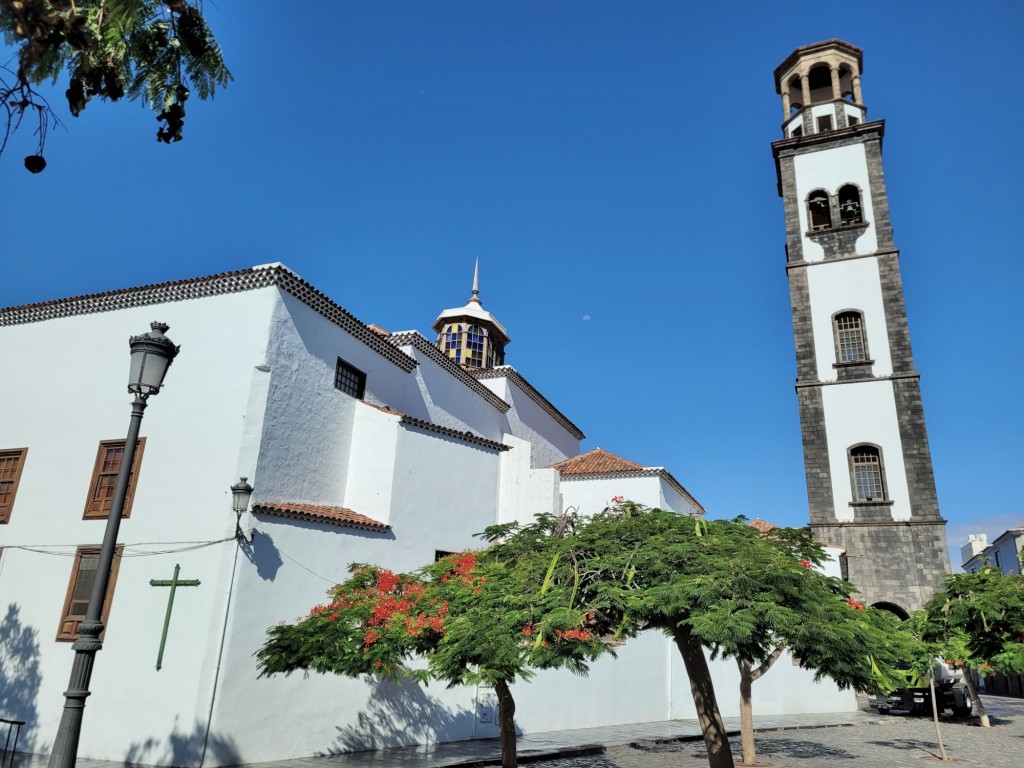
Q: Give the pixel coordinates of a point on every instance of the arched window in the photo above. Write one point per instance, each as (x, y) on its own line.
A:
(849, 333)
(866, 470)
(850, 209)
(818, 210)
(819, 80)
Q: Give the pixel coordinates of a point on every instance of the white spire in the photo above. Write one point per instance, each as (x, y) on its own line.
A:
(476, 282)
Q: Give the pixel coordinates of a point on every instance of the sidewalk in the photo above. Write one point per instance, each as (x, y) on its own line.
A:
(549, 744)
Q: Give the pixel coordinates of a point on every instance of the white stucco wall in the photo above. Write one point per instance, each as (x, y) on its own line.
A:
(435, 395)
(864, 412)
(193, 430)
(844, 285)
(527, 420)
(307, 434)
(592, 494)
(829, 169)
(524, 492)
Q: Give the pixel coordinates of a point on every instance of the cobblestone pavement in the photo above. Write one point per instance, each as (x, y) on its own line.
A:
(897, 742)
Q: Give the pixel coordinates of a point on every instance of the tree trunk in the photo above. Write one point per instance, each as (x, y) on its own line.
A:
(935, 717)
(979, 708)
(747, 677)
(747, 714)
(703, 690)
(506, 724)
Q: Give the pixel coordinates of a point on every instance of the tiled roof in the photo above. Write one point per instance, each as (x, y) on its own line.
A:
(762, 525)
(416, 340)
(510, 373)
(212, 285)
(596, 462)
(320, 513)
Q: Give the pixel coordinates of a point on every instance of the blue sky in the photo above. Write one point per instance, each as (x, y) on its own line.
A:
(604, 160)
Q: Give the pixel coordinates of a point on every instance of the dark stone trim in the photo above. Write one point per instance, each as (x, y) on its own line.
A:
(816, 459)
(803, 330)
(791, 210)
(876, 523)
(467, 436)
(416, 340)
(203, 287)
(889, 377)
(917, 458)
(844, 257)
(879, 197)
(510, 373)
(857, 371)
(895, 312)
(838, 241)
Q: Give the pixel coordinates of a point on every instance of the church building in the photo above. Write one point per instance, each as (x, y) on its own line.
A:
(364, 445)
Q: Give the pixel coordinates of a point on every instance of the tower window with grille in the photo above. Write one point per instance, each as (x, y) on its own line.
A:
(850, 209)
(866, 466)
(819, 210)
(349, 379)
(849, 330)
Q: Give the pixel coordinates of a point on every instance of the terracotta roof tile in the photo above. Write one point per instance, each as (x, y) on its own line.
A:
(762, 525)
(596, 462)
(320, 513)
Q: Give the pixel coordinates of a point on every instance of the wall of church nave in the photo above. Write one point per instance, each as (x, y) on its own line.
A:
(292, 564)
(444, 490)
(307, 432)
(551, 441)
(590, 495)
(434, 394)
(180, 512)
(848, 285)
(858, 413)
(136, 713)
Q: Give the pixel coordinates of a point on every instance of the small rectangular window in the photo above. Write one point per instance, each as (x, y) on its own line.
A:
(852, 120)
(104, 479)
(12, 462)
(349, 379)
(824, 123)
(83, 576)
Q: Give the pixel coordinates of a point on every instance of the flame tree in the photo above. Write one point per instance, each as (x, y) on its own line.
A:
(493, 616)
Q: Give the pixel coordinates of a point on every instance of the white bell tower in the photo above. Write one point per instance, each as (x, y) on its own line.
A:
(869, 472)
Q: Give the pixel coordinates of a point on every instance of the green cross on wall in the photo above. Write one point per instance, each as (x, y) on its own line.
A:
(174, 582)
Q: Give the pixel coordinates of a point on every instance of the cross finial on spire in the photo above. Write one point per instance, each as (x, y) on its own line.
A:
(476, 282)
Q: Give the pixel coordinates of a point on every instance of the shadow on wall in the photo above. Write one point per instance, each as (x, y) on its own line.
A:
(20, 677)
(264, 555)
(402, 715)
(185, 749)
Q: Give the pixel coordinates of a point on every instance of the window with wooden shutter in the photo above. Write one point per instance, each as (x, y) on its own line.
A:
(12, 461)
(83, 576)
(104, 479)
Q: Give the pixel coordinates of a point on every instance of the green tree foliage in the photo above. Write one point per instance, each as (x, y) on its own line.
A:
(158, 53)
(976, 623)
(490, 617)
(724, 587)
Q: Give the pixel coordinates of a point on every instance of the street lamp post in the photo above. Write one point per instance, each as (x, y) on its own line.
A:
(151, 356)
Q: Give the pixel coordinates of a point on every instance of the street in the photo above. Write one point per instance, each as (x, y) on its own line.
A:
(899, 742)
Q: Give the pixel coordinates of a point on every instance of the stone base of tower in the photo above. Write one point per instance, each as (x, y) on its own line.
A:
(895, 565)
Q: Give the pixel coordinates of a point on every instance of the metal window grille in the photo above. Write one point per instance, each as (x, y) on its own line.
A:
(850, 337)
(867, 474)
(349, 379)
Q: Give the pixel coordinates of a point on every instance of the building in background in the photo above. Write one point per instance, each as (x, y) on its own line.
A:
(869, 474)
(1004, 553)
